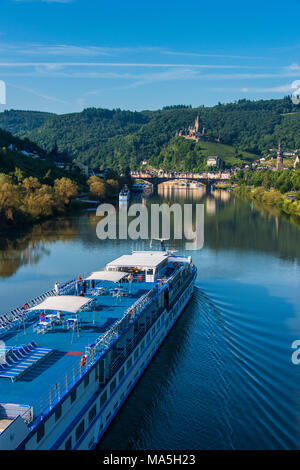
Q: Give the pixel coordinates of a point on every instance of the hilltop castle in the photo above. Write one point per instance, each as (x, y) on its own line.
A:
(193, 133)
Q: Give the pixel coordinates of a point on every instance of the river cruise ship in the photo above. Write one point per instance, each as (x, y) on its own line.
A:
(70, 357)
(124, 195)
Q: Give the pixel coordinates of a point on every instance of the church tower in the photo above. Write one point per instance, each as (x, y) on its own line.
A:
(279, 165)
(197, 124)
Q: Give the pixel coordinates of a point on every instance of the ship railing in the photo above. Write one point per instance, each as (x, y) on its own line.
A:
(62, 386)
(12, 411)
(95, 351)
(19, 315)
(105, 341)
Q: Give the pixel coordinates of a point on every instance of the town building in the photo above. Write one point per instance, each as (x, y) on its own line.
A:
(213, 161)
(84, 169)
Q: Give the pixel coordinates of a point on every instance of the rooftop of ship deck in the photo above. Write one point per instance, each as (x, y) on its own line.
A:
(35, 382)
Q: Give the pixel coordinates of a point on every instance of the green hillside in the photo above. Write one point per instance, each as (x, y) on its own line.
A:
(13, 162)
(181, 154)
(116, 138)
(22, 122)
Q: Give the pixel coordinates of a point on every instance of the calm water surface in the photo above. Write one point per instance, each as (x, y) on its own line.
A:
(223, 379)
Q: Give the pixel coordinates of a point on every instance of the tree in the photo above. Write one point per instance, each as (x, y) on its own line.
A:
(97, 187)
(65, 189)
(30, 184)
(40, 202)
(19, 175)
(9, 200)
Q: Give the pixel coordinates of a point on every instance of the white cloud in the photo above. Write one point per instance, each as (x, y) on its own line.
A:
(122, 64)
(294, 66)
(222, 56)
(39, 94)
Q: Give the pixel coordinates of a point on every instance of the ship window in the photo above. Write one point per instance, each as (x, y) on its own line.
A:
(92, 413)
(122, 396)
(103, 398)
(143, 344)
(148, 337)
(101, 371)
(73, 395)
(40, 432)
(121, 374)
(129, 362)
(136, 354)
(150, 271)
(116, 404)
(113, 385)
(86, 380)
(57, 413)
(79, 430)
(68, 444)
(108, 416)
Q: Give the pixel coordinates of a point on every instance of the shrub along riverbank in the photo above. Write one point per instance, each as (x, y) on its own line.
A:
(280, 189)
(287, 203)
(28, 200)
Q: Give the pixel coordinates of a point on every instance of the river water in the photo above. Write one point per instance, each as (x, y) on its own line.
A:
(223, 379)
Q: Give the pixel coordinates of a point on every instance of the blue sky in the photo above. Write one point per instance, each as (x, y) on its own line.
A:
(66, 55)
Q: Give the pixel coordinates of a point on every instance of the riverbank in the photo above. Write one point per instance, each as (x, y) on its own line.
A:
(286, 203)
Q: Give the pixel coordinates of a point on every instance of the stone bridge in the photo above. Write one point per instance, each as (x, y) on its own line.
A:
(208, 180)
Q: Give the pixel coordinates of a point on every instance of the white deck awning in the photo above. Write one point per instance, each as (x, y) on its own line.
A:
(178, 259)
(145, 259)
(114, 276)
(65, 303)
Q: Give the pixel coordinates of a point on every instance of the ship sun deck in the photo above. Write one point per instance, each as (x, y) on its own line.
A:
(67, 344)
(43, 347)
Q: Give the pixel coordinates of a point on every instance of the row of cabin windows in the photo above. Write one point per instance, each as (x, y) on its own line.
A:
(92, 413)
(103, 398)
(58, 412)
(80, 428)
(79, 431)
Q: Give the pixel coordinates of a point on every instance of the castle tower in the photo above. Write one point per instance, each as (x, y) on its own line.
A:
(197, 124)
(279, 165)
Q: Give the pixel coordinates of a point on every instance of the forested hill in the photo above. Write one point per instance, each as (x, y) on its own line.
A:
(7, 139)
(115, 138)
(22, 122)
